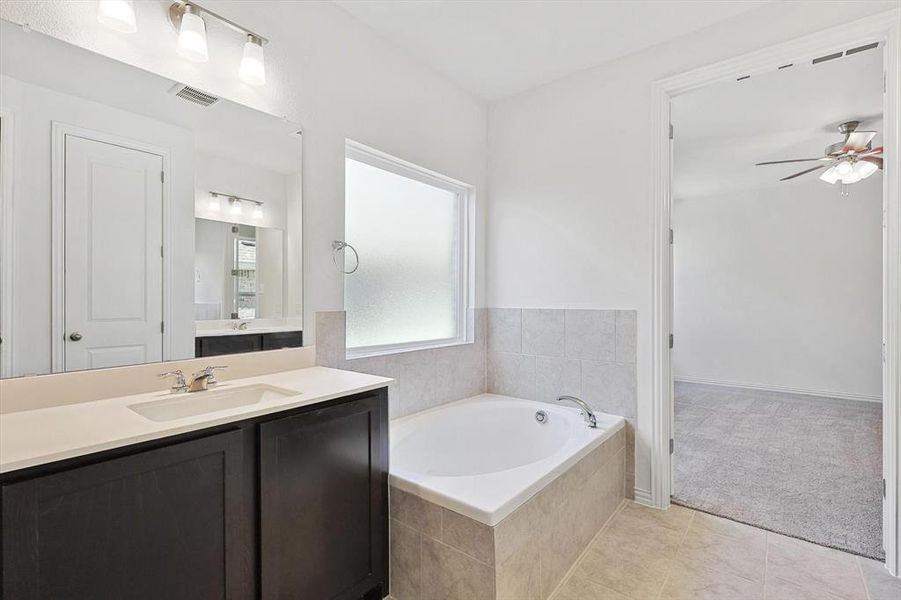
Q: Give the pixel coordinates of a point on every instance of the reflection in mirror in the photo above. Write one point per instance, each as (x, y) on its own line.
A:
(144, 220)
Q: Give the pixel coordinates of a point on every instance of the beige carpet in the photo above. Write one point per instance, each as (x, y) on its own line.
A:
(803, 466)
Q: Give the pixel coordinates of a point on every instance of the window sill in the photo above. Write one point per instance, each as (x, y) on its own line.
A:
(354, 353)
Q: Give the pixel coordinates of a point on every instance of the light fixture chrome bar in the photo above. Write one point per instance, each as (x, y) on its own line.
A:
(233, 197)
(177, 9)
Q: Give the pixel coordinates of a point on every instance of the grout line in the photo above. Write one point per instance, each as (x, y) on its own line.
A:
(669, 568)
(588, 547)
(766, 562)
(866, 588)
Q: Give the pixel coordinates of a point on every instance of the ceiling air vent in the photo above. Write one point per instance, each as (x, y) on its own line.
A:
(186, 92)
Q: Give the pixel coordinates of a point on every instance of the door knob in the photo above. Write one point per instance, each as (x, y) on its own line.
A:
(75, 336)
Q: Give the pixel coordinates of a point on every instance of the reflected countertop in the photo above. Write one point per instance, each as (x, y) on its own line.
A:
(249, 331)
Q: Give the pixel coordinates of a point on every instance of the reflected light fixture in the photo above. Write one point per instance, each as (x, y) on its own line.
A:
(214, 203)
(235, 206)
(253, 67)
(188, 20)
(118, 15)
(192, 36)
(258, 212)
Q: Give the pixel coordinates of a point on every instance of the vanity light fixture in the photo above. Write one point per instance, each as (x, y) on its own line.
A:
(187, 18)
(236, 204)
(118, 15)
(214, 204)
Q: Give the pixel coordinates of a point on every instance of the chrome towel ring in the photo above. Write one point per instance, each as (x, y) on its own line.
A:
(338, 246)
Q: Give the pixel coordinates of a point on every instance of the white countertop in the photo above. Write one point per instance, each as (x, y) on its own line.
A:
(34, 437)
(248, 331)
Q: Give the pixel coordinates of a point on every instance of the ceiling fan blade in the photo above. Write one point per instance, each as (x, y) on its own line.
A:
(876, 150)
(876, 160)
(803, 172)
(793, 160)
(858, 141)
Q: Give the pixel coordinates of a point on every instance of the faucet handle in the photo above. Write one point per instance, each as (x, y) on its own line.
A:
(210, 373)
(180, 383)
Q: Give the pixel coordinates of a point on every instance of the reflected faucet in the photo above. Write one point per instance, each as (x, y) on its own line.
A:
(586, 410)
(242, 325)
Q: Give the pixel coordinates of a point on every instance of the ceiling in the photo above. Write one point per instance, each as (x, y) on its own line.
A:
(723, 129)
(496, 48)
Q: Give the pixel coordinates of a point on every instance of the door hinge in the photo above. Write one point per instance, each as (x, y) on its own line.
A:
(670, 131)
(672, 445)
(162, 177)
(162, 327)
(671, 235)
(671, 341)
(161, 252)
(883, 488)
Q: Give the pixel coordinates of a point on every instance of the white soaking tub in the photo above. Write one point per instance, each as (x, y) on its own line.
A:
(484, 456)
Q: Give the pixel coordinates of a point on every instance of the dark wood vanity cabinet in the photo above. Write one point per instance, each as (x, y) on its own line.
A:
(323, 496)
(246, 342)
(290, 505)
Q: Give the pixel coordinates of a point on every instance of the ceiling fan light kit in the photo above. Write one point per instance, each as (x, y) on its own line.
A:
(850, 161)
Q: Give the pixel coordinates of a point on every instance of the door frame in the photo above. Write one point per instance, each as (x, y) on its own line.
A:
(7, 239)
(886, 28)
(59, 131)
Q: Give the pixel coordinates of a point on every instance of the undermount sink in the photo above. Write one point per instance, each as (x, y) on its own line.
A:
(198, 403)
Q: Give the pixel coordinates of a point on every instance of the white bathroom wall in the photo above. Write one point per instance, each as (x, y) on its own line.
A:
(570, 208)
(781, 288)
(35, 109)
(325, 70)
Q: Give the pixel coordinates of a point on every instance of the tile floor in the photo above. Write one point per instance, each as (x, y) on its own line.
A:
(647, 554)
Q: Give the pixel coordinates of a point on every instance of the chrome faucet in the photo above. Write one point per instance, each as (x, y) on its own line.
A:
(200, 380)
(204, 378)
(586, 411)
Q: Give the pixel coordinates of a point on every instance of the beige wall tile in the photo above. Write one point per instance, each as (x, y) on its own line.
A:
(590, 334)
(814, 567)
(518, 576)
(405, 553)
(504, 327)
(419, 514)
(581, 588)
(448, 574)
(467, 535)
(518, 529)
(542, 331)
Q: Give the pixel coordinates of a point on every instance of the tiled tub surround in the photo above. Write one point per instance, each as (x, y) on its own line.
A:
(540, 354)
(423, 378)
(439, 553)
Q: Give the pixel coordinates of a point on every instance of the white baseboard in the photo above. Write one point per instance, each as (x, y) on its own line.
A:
(643, 497)
(782, 389)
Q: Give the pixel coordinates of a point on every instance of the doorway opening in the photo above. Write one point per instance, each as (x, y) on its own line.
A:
(777, 300)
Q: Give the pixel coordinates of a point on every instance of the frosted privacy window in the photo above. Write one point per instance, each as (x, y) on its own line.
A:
(408, 231)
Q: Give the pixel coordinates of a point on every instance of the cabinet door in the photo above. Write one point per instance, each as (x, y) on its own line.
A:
(323, 502)
(164, 523)
(228, 344)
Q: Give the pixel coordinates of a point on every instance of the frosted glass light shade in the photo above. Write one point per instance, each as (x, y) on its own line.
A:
(864, 169)
(844, 168)
(118, 15)
(213, 203)
(235, 207)
(192, 36)
(258, 212)
(253, 65)
(830, 175)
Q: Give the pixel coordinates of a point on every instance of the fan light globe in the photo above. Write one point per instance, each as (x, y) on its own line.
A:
(118, 15)
(192, 36)
(864, 168)
(830, 176)
(844, 168)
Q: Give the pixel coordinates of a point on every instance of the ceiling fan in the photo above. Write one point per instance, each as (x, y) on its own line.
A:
(847, 161)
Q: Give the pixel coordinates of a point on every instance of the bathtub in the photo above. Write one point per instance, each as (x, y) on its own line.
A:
(485, 456)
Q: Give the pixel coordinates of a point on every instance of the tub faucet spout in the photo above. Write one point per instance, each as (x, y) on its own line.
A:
(586, 410)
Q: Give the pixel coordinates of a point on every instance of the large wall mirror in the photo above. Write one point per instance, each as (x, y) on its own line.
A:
(142, 220)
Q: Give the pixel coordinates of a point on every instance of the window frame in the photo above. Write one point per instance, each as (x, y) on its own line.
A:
(463, 251)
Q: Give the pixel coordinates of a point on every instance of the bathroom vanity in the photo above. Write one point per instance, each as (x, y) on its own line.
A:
(284, 497)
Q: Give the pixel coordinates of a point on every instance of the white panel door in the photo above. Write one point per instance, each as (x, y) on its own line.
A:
(114, 278)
